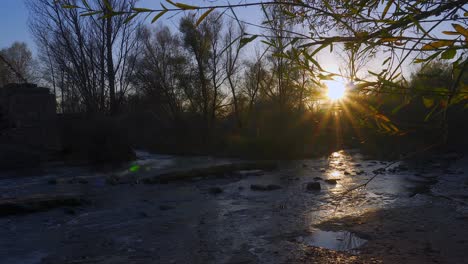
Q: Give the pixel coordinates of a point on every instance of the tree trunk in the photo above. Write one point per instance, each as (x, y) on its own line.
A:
(110, 67)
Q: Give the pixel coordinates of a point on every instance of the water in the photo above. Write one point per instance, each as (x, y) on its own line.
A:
(341, 240)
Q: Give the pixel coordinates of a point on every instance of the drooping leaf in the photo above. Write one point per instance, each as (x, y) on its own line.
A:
(437, 44)
(156, 17)
(129, 18)
(91, 13)
(86, 4)
(451, 33)
(448, 54)
(428, 102)
(203, 16)
(139, 9)
(460, 29)
(70, 6)
(387, 7)
(108, 5)
(245, 41)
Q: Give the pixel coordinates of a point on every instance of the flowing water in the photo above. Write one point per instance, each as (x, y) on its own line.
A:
(184, 222)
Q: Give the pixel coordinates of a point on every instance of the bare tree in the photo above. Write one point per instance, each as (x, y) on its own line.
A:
(92, 57)
(16, 64)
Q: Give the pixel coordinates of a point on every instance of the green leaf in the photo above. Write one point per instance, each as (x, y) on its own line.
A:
(451, 33)
(246, 40)
(156, 17)
(460, 29)
(70, 6)
(108, 5)
(91, 13)
(202, 17)
(387, 7)
(428, 58)
(448, 54)
(182, 5)
(386, 60)
(129, 18)
(85, 3)
(139, 9)
(437, 44)
(428, 102)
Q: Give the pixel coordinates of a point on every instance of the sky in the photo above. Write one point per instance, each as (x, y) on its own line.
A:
(14, 19)
(13, 23)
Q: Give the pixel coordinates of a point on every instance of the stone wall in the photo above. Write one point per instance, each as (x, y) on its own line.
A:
(28, 116)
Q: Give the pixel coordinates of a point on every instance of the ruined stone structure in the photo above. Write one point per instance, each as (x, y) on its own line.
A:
(28, 116)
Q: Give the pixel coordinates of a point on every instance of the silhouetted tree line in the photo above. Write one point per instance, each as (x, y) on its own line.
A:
(195, 88)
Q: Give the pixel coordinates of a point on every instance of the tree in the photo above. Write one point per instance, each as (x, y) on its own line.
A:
(16, 64)
(91, 59)
(162, 71)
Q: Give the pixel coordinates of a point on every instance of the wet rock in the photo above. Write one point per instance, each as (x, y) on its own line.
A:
(313, 186)
(379, 171)
(318, 178)
(37, 203)
(165, 207)
(304, 165)
(347, 173)
(322, 170)
(212, 171)
(357, 165)
(215, 190)
(331, 181)
(246, 173)
(269, 187)
(78, 180)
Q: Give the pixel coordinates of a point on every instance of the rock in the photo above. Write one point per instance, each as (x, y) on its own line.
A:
(357, 165)
(215, 190)
(211, 171)
(379, 171)
(78, 180)
(318, 178)
(346, 173)
(165, 207)
(313, 186)
(245, 173)
(331, 181)
(37, 203)
(269, 187)
(322, 170)
(304, 165)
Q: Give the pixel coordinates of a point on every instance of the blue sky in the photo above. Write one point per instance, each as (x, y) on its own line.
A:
(13, 23)
(14, 19)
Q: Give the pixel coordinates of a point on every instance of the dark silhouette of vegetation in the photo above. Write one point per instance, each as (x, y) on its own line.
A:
(210, 86)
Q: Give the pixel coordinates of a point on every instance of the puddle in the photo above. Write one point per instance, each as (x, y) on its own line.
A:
(341, 241)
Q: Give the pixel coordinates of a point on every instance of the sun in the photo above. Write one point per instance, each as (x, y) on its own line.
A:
(336, 91)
